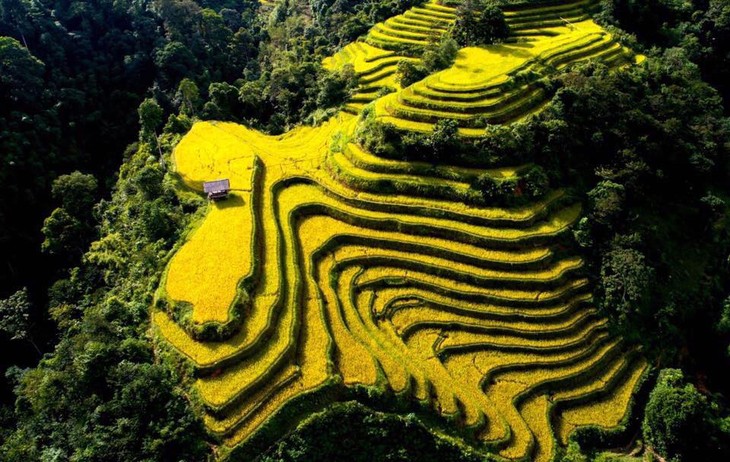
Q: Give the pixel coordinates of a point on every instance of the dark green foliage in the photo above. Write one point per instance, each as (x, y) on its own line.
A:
(136, 411)
(187, 97)
(652, 177)
(680, 424)
(149, 181)
(409, 72)
(444, 139)
(386, 140)
(70, 228)
(223, 100)
(15, 316)
(626, 280)
(351, 432)
(526, 188)
(438, 55)
(150, 118)
(74, 73)
(21, 74)
(75, 192)
(573, 454)
(346, 20)
(607, 200)
(65, 236)
(701, 28)
(479, 22)
(723, 324)
(488, 186)
(336, 87)
(104, 395)
(536, 183)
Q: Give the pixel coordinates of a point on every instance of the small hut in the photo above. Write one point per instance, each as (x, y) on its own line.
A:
(217, 190)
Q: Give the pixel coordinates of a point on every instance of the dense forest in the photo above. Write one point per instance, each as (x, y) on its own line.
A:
(95, 94)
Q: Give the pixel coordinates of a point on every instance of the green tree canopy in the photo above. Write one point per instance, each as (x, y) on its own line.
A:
(150, 116)
(678, 420)
(21, 73)
(479, 22)
(15, 315)
(70, 227)
(76, 192)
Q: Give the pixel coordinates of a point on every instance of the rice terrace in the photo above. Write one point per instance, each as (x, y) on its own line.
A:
(331, 273)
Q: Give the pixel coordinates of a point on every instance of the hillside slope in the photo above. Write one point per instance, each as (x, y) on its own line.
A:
(309, 285)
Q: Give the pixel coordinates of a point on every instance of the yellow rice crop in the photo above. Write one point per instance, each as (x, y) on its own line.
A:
(557, 222)
(418, 314)
(373, 274)
(534, 411)
(539, 276)
(281, 377)
(599, 381)
(396, 372)
(313, 319)
(527, 212)
(366, 158)
(343, 162)
(607, 412)
(246, 419)
(355, 361)
(537, 374)
(570, 335)
(387, 294)
(493, 360)
(362, 56)
(478, 69)
(207, 269)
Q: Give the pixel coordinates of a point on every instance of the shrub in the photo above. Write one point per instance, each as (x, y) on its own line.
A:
(444, 139)
(409, 72)
(437, 56)
(488, 186)
(676, 420)
(479, 22)
(536, 182)
(440, 55)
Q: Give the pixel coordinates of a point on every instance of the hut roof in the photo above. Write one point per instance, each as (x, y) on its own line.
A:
(217, 186)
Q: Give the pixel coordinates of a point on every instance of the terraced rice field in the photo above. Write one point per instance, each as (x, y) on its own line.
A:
(500, 83)
(486, 85)
(317, 285)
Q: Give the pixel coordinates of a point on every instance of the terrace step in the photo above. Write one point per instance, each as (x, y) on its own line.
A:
(379, 74)
(506, 111)
(547, 23)
(361, 158)
(388, 42)
(546, 5)
(615, 394)
(409, 21)
(404, 33)
(419, 16)
(404, 298)
(476, 107)
(438, 14)
(416, 27)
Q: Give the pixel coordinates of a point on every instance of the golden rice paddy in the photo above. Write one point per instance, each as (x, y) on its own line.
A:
(322, 285)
